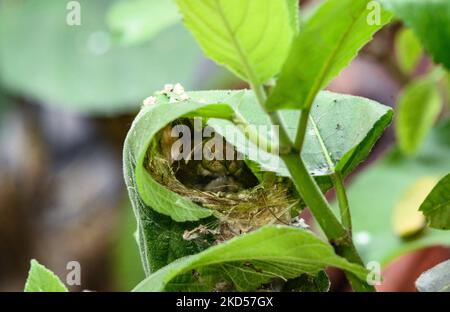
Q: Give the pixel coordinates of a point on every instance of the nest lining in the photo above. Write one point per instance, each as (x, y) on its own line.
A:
(238, 210)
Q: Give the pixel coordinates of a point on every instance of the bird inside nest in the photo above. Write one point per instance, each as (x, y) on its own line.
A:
(212, 174)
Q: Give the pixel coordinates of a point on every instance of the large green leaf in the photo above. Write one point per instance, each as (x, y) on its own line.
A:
(41, 279)
(136, 21)
(436, 279)
(418, 108)
(341, 133)
(324, 47)
(250, 260)
(430, 20)
(79, 68)
(374, 194)
(250, 37)
(436, 206)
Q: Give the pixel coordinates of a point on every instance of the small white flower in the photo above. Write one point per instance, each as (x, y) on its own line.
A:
(151, 100)
(184, 97)
(172, 100)
(178, 89)
(300, 223)
(168, 87)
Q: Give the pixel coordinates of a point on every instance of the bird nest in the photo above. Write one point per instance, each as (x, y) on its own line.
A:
(240, 202)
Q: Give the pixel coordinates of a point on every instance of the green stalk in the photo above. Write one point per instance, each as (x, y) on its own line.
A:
(285, 142)
(302, 127)
(341, 195)
(338, 236)
(314, 198)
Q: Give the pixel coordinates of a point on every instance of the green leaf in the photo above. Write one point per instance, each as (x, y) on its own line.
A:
(419, 106)
(324, 46)
(250, 37)
(436, 206)
(160, 239)
(136, 21)
(408, 50)
(436, 279)
(253, 259)
(375, 192)
(80, 68)
(341, 133)
(430, 21)
(147, 124)
(41, 279)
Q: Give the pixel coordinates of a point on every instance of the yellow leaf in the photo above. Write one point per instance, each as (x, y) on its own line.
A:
(407, 219)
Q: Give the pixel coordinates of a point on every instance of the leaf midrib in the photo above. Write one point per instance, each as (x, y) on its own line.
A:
(322, 144)
(247, 67)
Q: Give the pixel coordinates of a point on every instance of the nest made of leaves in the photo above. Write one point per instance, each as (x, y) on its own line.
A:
(268, 202)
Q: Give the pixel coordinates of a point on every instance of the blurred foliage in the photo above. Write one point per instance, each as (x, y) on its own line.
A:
(430, 21)
(408, 50)
(136, 21)
(375, 192)
(3, 105)
(419, 106)
(80, 68)
(126, 262)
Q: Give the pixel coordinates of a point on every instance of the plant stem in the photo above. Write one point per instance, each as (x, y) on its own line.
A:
(302, 127)
(344, 207)
(337, 235)
(285, 143)
(314, 197)
(308, 189)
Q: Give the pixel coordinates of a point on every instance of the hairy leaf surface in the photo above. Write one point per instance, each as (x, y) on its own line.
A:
(253, 259)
